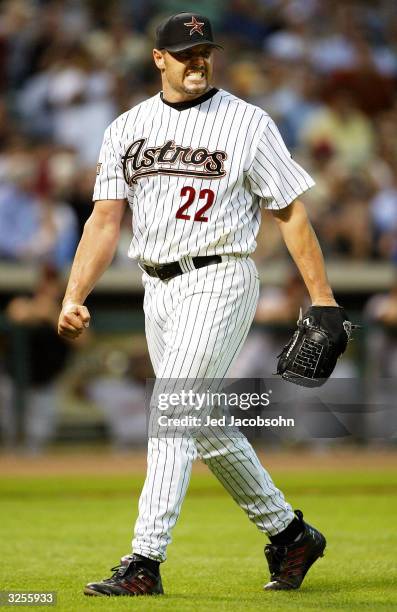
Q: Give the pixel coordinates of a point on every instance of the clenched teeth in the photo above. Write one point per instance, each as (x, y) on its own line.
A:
(198, 74)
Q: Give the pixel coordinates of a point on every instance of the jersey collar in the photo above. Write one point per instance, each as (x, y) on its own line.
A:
(180, 106)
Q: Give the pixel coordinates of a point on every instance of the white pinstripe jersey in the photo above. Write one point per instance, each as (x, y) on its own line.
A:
(196, 175)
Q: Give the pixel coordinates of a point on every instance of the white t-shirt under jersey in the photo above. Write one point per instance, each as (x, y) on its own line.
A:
(196, 175)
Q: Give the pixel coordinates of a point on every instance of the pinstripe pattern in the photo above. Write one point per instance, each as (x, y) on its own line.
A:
(259, 173)
(195, 326)
(197, 322)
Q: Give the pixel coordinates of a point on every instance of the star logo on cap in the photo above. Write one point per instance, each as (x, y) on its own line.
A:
(196, 26)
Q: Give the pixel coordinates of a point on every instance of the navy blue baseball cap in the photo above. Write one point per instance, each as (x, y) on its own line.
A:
(183, 31)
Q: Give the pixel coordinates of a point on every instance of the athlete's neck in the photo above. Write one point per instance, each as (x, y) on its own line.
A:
(189, 101)
(173, 96)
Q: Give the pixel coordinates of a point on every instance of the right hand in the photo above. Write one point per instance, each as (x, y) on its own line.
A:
(74, 318)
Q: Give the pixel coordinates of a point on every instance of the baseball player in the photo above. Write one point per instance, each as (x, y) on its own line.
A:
(196, 165)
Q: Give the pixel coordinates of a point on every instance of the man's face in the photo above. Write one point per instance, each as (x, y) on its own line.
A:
(187, 73)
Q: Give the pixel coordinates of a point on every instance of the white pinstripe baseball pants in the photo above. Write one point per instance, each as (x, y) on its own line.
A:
(196, 324)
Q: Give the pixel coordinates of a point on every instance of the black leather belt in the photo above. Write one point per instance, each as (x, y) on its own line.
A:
(170, 270)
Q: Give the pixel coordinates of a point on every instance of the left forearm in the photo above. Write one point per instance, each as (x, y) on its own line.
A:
(305, 250)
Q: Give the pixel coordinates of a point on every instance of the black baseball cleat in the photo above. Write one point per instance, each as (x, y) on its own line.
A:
(131, 578)
(289, 565)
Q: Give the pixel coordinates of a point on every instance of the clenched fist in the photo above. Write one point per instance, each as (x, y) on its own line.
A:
(74, 318)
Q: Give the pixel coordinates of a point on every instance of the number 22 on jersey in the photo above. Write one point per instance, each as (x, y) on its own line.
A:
(205, 195)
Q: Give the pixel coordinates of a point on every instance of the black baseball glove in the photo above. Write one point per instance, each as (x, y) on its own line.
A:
(310, 356)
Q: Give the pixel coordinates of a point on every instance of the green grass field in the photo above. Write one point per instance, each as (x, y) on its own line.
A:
(57, 533)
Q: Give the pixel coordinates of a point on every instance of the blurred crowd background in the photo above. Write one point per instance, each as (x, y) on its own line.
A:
(325, 70)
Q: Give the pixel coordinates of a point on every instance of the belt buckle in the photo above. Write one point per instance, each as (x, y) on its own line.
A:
(145, 268)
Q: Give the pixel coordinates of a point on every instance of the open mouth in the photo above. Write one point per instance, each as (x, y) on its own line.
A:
(195, 75)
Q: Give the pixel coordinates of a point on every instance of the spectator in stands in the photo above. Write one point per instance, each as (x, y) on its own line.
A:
(344, 128)
(33, 227)
(73, 92)
(72, 183)
(381, 374)
(346, 225)
(120, 392)
(384, 218)
(46, 357)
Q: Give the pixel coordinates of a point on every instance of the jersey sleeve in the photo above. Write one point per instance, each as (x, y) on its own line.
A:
(110, 183)
(274, 176)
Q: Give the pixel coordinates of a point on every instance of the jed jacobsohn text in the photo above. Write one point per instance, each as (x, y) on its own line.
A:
(197, 401)
(230, 421)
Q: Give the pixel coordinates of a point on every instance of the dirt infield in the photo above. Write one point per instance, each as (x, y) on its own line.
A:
(93, 462)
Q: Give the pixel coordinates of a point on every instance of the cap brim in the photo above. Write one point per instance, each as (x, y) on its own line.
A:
(185, 46)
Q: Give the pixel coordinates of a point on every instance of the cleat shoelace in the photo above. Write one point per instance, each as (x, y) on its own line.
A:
(117, 573)
(285, 562)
